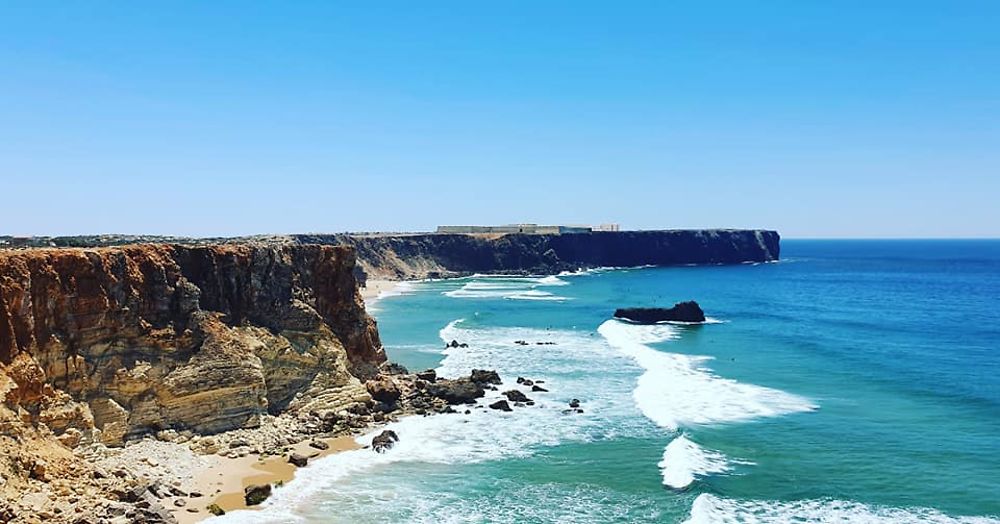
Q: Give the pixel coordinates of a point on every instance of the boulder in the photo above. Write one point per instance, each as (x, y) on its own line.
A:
(575, 403)
(516, 396)
(384, 441)
(501, 405)
(681, 312)
(458, 391)
(319, 444)
(536, 387)
(383, 389)
(482, 376)
(392, 368)
(254, 494)
(298, 460)
(430, 375)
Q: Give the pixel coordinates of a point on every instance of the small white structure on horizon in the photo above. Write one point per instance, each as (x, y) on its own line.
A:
(529, 229)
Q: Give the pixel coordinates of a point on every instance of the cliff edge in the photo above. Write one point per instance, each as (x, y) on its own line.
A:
(443, 255)
(149, 337)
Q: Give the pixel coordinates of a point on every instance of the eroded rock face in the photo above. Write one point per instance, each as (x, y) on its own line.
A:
(136, 339)
(437, 255)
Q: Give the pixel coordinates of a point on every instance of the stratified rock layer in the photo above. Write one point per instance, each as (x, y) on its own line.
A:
(414, 256)
(436, 255)
(115, 342)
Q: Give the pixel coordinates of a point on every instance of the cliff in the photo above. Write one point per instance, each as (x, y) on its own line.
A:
(111, 343)
(437, 255)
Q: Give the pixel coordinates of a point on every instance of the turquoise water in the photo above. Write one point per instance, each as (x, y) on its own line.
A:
(854, 381)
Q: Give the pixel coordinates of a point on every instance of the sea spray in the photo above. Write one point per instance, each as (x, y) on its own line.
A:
(569, 368)
(678, 390)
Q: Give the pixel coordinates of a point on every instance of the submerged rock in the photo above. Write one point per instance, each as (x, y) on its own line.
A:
(384, 441)
(681, 312)
(516, 396)
(501, 405)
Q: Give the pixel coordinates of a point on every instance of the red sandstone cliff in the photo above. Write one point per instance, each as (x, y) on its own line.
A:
(111, 342)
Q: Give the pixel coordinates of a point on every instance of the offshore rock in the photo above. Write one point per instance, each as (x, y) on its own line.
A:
(384, 441)
(501, 405)
(516, 396)
(681, 312)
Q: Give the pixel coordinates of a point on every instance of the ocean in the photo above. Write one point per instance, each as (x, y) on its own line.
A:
(853, 381)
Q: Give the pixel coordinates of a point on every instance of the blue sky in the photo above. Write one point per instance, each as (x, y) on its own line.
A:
(819, 119)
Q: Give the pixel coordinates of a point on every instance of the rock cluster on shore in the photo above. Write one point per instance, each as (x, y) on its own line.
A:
(103, 347)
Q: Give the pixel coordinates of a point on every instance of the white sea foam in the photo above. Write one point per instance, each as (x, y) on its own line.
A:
(683, 460)
(399, 289)
(711, 509)
(678, 390)
(569, 368)
(552, 281)
(508, 287)
(509, 501)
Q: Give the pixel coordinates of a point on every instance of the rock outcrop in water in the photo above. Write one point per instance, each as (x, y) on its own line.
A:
(681, 312)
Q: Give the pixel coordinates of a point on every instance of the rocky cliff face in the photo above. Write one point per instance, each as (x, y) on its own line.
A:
(432, 255)
(110, 343)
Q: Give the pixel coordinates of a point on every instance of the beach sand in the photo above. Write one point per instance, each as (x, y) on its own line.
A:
(222, 480)
(374, 288)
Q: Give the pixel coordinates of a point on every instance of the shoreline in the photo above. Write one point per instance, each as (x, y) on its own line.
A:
(376, 289)
(222, 480)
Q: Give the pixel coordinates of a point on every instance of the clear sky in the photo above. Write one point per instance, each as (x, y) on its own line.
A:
(816, 118)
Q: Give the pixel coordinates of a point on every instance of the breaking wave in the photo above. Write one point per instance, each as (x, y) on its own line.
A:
(511, 288)
(677, 391)
(711, 509)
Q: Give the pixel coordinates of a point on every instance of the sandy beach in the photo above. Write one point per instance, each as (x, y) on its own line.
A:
(377, 288)
(221, 480)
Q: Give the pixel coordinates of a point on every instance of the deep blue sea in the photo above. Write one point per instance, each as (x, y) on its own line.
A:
(853, 381)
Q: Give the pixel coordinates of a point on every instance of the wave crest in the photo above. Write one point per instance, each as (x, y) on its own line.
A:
(710, 509)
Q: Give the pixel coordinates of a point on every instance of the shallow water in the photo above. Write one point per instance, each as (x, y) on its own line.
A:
(854, 381)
